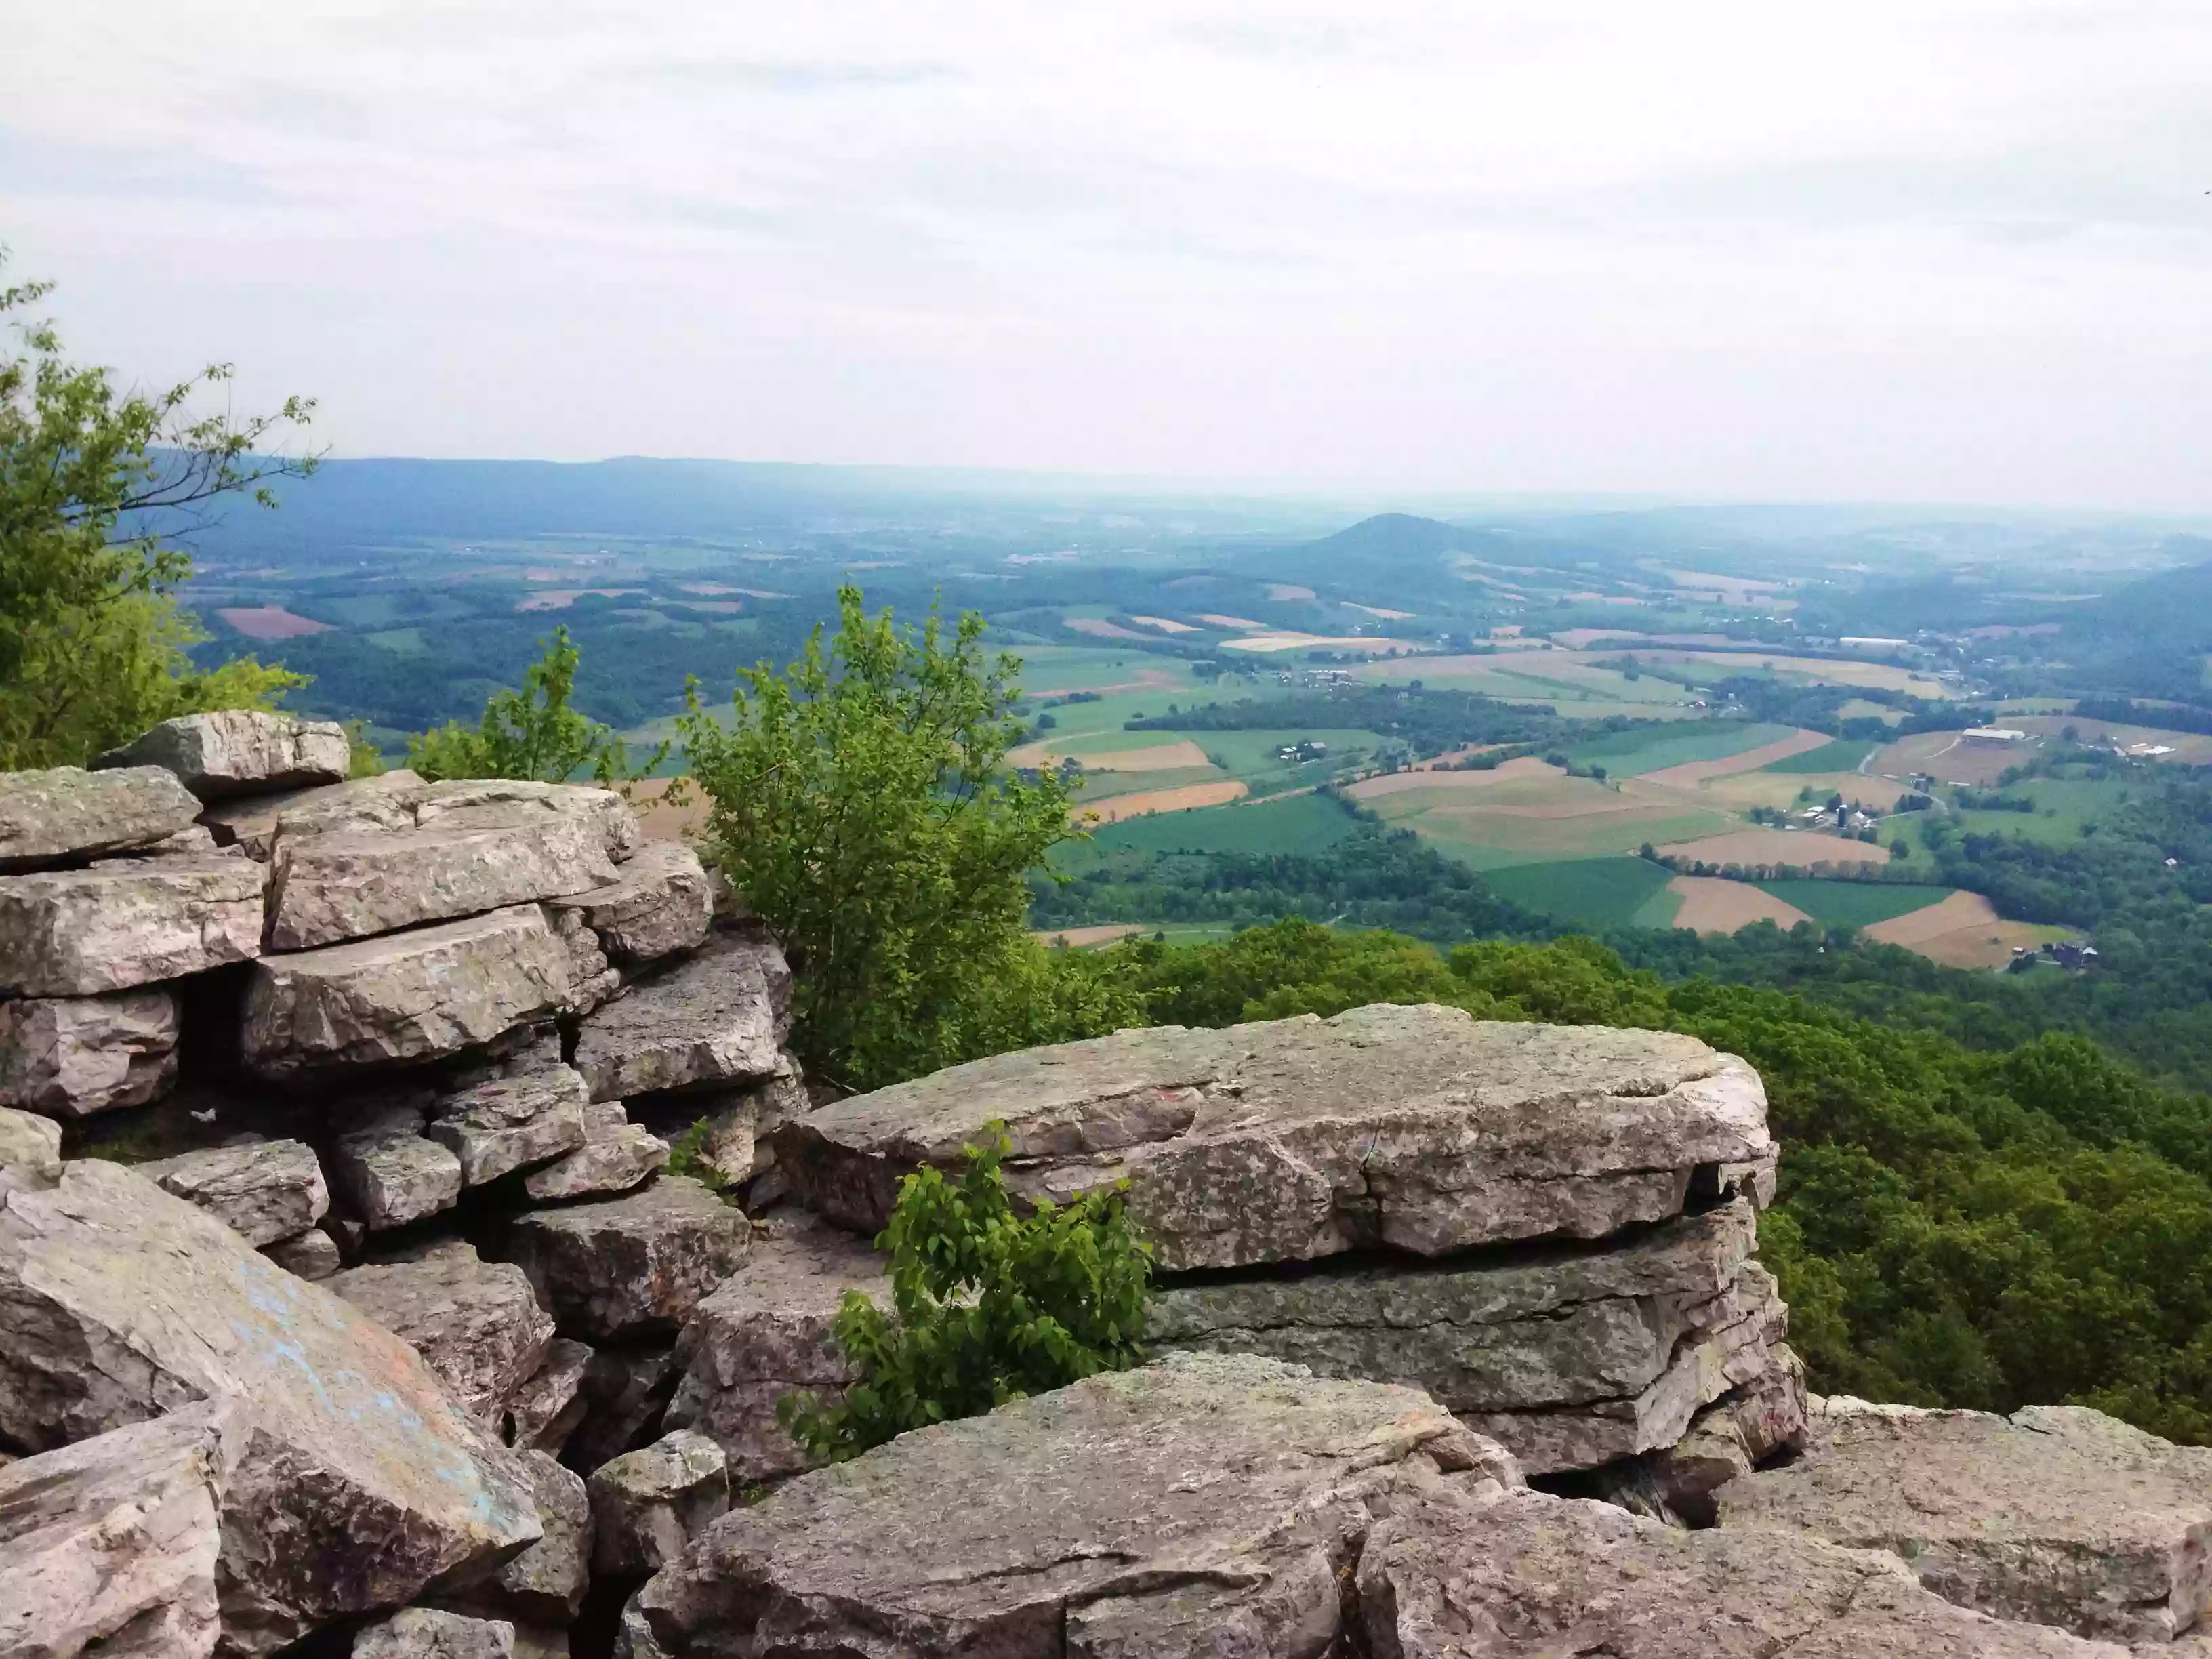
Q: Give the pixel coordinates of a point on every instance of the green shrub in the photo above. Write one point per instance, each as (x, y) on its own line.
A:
(987, 1306)
(531, 734)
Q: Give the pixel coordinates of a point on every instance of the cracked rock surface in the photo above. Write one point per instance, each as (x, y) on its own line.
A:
(631, 1266)
(1518, 1575)
(236, 751)
(720, 1015)
(127, 921)
(1420, 1129)
(2059, 1514)
(73, 1056)
(66, 812)
(263, 1190)
(1203, 1504)
(659, 904)
(475, 1323)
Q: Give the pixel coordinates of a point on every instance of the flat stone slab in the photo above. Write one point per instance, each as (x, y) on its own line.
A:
(387, 1173)
(240, 751)
(475, 1323)
(263, 1190)
(765, 1332)
(718, 1017)
(124, 922)
(324, 889)
(74, 1056)
(630, 1267)
(1420, 1128)
(118, 1303)
(459, 801)
(1515, 1574)
(410, 996)
(109, 1546)
(386, 801)
(617, 1156)
(510, 1123)
(2058, 1514)
(660, 904)
(1213, 1497)
(65, 812)
(1570, 1356)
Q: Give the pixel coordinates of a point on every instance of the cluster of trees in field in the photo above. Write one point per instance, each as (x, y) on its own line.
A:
(1428, 721)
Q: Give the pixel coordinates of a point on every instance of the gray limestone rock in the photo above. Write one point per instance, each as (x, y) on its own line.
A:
(1204, 1503)
(128, 921)
(510, 1123)
(629, 1266)
(65, 812)
(455, 801)
(1416, 1127)
(591, 982)
(240, 751)
(765, 1332)
(109, 1546)
(408, 996)
(312, 1255)
(2057, 1515)
(544, 1584)
(475, 1323)
(29, 1145)
(660, 904)
(263, 1190)
(386, 801)
(1730, 1437)
(1571, 1355)
(388, 1174)
(324, 889)
(615, 1157)
(430, 1633)
(545, 1409)
(715, 1017)
(118, 1304)
(1509, 1574)
(73, 1056)
(648, 1505)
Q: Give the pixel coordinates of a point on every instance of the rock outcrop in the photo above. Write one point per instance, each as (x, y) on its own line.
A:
(658, 905)
(109, 1546)
(127, 921)
(615, 1157)
(118, 1303)
(1417, 1128)
(30, 1145)
(626, 1267)
(2055, 1515)
(475, 1323)
(389, 1172)
(1214, 1499)
(73, 1056)
(648, 1505)
(263, 1190)
(239, 752)
(433, 1633)
(718, 1017)
(511, 1123)
(66, 814)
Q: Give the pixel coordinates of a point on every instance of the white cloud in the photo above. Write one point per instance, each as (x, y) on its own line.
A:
(1946, 250)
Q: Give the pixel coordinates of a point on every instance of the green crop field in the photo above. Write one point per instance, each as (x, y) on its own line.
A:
(1843, 755)
(1854, 904)
(406, 640)
(1633, 753)
(1297, 824)
(1251, 755)
(1599, 893)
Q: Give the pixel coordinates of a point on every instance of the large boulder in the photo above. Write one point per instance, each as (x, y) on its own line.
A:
(545, 1584)
(649, 1505)
(360, 1482)
(127, 921)
(631, 1266)
(1420, 1129)
(459, 799)
(660, 904)
(389, 1173)
(718, 1017)
(433, 1633)
(73, 1056)
(29, 1145)
(240, 751)
(1520, 1573)
(408, 996)
(65, 812)
(386, 801)
(475, 1323)
(765, 1332)
(109, 1546)
(1569, 1355)
(2058, 1514)
(263, 1190)
(510, 1123)
(1204, 1503)
(617, 1155)
(324, 889)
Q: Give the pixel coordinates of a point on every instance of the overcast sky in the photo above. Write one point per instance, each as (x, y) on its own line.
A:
(1922, 251)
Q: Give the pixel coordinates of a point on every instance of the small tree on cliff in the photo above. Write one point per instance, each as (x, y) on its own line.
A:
(531, 734)
(93, 647)
(858, 799)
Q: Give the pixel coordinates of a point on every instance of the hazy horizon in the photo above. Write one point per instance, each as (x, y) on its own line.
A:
(1921, 255)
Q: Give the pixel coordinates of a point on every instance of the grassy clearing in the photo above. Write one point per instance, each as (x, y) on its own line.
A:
(1678, 742)
(1599, 893)
(1843, 755)
(1301, 823)
(1543, 820)
(1854, 904)
(405, 640)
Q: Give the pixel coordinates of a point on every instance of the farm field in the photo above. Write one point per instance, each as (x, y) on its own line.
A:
(1537, 820)
(1291, 640)
(1112, 751)
(1835, 755)
(1854, 904)
(1252, 755)
(1802, 848)
(1160, 785)
(1086, 939)
(1811, 670)
(1398, 783)
(1291, 823)
(2063, 807)
(1712, 904)
(1741, 791)
(1949, 758)
(1964, 931)
(1599, 894)
(266, 623)
(1054, 671)
(2190, 748)
(1573, 683)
